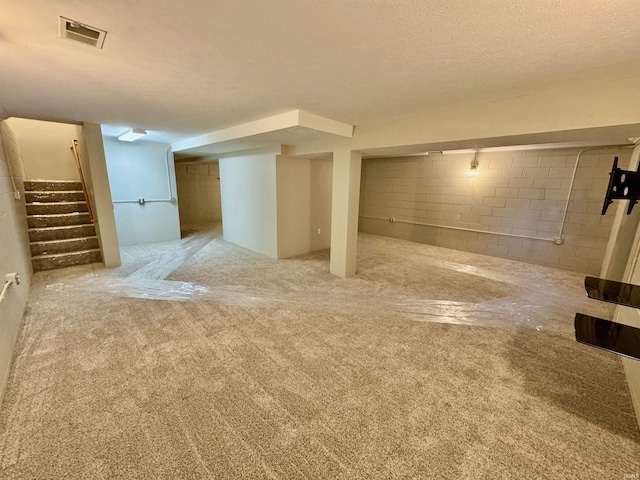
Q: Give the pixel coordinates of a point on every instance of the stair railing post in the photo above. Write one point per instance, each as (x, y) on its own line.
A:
(74, 148)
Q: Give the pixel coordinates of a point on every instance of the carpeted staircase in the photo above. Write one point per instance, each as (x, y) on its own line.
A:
(60, 230)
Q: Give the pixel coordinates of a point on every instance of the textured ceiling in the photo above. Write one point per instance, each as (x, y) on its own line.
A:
(184, 68)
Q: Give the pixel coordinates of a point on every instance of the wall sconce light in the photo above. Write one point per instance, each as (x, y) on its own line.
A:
(473, 167)
(132, 135)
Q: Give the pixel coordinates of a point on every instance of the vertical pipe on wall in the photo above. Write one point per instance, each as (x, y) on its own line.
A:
(560, 240)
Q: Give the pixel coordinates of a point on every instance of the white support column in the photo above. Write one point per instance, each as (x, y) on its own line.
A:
(99, 190)
(345, 199)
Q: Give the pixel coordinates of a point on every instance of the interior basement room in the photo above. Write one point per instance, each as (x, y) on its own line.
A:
(319, 240)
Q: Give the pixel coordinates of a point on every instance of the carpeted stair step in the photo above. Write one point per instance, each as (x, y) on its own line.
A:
(55, 196)
(56, 208)
(58, 220)
(58, 260)
(51, 185)
(59, 233)
(64, 246)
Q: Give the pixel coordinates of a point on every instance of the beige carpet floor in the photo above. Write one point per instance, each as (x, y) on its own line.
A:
(200, 359)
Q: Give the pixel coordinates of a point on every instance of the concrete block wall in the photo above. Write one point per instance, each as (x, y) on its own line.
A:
(14, 249)
(515, 194)
(199, 192)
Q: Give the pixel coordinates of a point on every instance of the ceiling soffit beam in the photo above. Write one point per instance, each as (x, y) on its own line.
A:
(323, 124)
(293, 118)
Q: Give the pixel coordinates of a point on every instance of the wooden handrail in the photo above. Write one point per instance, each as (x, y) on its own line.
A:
(74, 148)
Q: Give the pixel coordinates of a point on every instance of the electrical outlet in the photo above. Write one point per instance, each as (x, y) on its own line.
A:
(319, 231)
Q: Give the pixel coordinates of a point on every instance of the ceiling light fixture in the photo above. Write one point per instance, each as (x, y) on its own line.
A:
(473, 167)
(132, 135)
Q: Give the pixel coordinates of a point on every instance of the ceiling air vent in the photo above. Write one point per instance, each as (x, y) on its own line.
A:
(81, 33)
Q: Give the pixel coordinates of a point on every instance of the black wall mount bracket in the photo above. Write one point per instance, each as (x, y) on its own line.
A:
(623, 185)
(605, 334)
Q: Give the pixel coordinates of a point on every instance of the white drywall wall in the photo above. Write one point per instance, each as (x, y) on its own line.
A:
(623, 231)
(140, 170)
(248, 194)
(275, 204)
(631, 316)
(46, 148)
(294, 205)
(14, 252)
(94, 165)
(321, 178)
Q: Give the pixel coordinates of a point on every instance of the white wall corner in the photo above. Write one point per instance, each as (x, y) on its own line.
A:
(106, 223)
(3, 113)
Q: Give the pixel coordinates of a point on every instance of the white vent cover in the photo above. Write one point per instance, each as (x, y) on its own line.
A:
(82, 33)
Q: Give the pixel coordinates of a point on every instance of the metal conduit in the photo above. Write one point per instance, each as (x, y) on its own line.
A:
(459, 228)
(560, 239)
